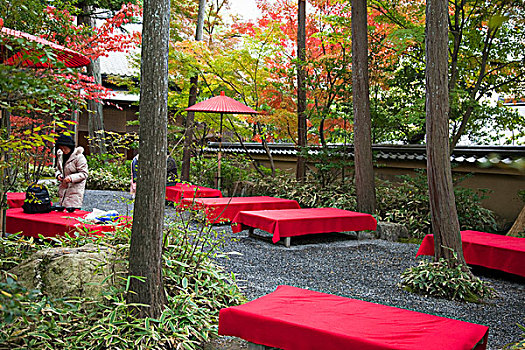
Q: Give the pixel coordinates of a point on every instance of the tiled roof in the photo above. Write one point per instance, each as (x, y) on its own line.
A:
(462, 154)
(117, 63)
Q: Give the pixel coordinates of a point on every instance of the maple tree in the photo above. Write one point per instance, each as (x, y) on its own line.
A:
(485, 42)
(56, 25)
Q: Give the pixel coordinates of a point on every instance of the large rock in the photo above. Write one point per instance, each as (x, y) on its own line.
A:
(390, 231)
(73, 272)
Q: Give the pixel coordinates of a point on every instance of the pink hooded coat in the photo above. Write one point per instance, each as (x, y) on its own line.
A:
(72, 194)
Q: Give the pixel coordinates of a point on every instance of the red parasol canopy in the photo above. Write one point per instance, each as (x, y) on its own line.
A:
(221, 104)
(70, 58)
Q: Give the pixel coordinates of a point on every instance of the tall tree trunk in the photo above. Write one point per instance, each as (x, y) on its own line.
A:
(5, 129)
(96, 133)
(145, 254)
(190, 117)
(301, 89)
(364, 167)
(445, 224)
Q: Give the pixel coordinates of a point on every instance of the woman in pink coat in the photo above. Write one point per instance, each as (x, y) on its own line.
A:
(71, 172)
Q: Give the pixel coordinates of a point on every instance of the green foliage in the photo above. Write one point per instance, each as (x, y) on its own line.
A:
(234, 169)
(308, 194)
(329, 163)
(14, 249)
(101, 179)
(439, 279)
(108, 172)
(12, 300)
(196, 290)
(406, 202)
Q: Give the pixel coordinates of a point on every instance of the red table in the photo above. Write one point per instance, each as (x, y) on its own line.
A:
(488, 250)
(52, 224)
(179, 191)
(219, 210)
(297, 319)
(297, 222)
(15, 199)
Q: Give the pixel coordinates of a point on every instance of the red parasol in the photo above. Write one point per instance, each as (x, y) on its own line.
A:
(68, 57)
(221, 104)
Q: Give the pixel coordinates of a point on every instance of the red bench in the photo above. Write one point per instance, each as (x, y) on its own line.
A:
(497, 252)
(220, 210)
(297, 319)
(287, 223)
(54, 223)
(179, 191)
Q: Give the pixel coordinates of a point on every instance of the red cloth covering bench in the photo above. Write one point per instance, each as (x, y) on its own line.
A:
(53, 224)
(297, 222)
(220, 210)
(179, 191)
(497, 252)
(297, 319)
(15, 199)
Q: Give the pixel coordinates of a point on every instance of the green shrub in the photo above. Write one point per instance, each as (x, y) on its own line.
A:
(109, 163)
(439, 279)
(196, 290)
(234, 169)
(101, 179)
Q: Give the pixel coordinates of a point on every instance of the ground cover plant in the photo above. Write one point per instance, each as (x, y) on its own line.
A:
(196, 290)
(440, 279)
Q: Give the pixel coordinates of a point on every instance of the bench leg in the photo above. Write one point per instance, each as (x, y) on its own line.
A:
(253, 346)
(250, 232)
(287, 242)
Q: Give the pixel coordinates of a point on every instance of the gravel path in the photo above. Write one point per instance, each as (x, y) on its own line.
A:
(343, 265)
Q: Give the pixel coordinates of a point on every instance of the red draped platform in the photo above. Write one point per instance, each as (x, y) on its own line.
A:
(53, 223)
(220, 210)
(179, 191)
(498, 252)
(297, 319)
(297, 222)
(15, 199)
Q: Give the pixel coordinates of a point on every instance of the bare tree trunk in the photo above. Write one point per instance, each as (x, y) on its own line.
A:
(445, 224)
(190, 117)
(96, 133)
(145, 254)
(364, 167)
(301, 89)
(4, 172)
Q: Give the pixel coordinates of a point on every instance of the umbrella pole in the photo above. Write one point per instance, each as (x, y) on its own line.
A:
(219, 157)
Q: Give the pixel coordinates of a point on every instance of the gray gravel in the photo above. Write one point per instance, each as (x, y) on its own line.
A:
(344, 265)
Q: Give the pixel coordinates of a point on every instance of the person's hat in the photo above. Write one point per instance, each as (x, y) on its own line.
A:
(64, 140)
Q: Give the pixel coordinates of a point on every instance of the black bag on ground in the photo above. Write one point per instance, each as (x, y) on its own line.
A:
(37, 199)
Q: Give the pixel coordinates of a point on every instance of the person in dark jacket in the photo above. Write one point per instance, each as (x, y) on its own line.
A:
(171, 172)
(172, 177)
(71, 172)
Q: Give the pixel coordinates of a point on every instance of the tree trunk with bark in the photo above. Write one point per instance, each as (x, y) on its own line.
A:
(301, 89)
(364, 167)
(97, 144)
(445, 223)
(145, 255)
(190, 116)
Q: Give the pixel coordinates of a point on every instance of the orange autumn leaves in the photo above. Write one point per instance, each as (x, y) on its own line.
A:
(256, 60)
